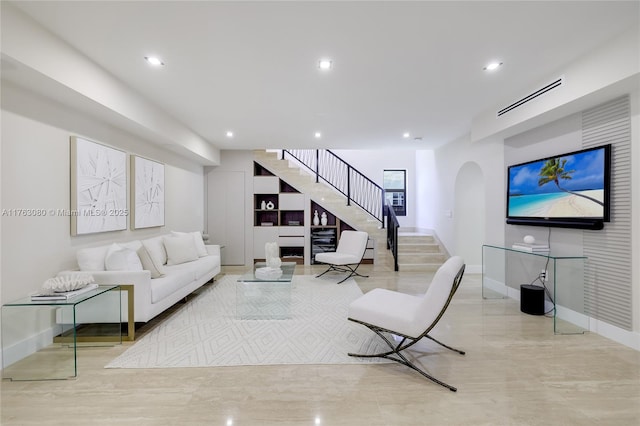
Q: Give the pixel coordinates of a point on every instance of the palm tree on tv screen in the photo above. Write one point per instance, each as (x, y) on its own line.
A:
(553, 170)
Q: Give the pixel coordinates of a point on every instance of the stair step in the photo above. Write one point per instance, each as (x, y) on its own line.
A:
(421, 258)
(418, 248)
(416, 239)
(418, 267)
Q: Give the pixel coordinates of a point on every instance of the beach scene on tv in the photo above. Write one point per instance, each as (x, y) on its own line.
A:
(569, 186)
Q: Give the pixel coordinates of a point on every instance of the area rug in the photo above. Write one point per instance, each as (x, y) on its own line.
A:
(206, 333)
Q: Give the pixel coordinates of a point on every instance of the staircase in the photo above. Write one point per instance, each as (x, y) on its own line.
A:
(416, 252)
(419, 252)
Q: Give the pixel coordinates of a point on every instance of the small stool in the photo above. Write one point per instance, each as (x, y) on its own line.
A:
(532, 299)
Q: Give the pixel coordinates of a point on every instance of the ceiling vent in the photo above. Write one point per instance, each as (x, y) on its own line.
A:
(553, 85)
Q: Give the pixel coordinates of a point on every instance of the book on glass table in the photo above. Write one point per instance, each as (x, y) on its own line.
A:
(64, 295)
(533, 248)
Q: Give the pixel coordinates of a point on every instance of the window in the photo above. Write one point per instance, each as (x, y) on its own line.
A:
(395, 187)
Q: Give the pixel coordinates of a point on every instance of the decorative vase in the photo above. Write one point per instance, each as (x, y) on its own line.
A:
(263, 206)
(270, 205)
(316, 219)
(323, 220)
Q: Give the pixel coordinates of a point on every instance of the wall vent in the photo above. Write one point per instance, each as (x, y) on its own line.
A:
(556, 83)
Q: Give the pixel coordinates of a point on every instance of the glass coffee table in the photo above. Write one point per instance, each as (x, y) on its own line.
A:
(265, 298)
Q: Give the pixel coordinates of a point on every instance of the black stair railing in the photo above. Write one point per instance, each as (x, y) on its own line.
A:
(340, 175)
(392, 234)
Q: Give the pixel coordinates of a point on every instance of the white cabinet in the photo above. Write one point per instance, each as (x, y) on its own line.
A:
(291, 201)
(261, 236)
(266, 184)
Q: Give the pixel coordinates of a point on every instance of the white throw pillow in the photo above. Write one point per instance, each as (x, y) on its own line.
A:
(122, 259)
(133, 245)
(180, 249)
(156, 269)
(197, 239)
(92, 259)
(155, 247)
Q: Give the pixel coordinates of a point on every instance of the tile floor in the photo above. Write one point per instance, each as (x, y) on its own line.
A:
(516, 372)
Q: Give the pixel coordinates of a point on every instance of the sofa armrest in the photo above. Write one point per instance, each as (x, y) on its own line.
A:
(141, 281)
(213, 249)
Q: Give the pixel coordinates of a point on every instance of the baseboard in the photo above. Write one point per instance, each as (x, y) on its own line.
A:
(32, 344)
(627, 338)
(630, 339)
(473, 269)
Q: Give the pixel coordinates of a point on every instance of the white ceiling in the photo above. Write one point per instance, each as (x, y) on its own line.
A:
(251, 67)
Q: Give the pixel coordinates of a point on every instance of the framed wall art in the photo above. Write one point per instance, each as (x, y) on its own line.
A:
(98, 187)
(147, 193)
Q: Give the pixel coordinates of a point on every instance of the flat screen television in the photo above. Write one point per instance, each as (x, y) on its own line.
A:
(571, 190)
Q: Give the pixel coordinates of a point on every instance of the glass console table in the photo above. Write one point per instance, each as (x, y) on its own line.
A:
(505, 269)
(27, 325)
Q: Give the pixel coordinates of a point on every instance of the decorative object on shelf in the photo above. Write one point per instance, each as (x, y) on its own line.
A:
(529, 239)
(323, 219)
(272, 255)
(63, 295)
(147, 192)
(98, 188)
(316, 219)
(67, 283)
(263, 205)
(270, 205)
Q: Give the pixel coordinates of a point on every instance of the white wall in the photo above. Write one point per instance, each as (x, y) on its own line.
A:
(35, 171)
(373, 163)
(237, 161)
(437, 181)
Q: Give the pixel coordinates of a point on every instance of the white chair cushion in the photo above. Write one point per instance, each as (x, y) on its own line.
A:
(390, 310)
(335, 258)
(353, 242)
(439, 290)
(180, 249)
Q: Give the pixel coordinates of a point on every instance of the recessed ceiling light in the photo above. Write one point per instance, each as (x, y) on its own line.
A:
(318, 135)
(154, 60)
(325, 64)
(492, 66)
(229, 134)
(406, 135)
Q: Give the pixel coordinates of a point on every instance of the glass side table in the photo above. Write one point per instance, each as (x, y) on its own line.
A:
(505, 269)
(52, 328)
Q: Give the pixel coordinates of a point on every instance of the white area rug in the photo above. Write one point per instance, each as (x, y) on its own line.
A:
(205, 332)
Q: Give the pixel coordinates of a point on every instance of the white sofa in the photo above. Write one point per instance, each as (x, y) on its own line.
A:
(163, 270)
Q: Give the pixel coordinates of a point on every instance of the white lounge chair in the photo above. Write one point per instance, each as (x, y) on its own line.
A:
(348, 255)
(407, 316)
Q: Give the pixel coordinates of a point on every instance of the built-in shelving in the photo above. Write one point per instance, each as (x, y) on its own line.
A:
(278, 216)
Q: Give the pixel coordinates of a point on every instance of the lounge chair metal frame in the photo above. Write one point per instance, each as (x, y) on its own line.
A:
(345, 268)
(407, 341)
